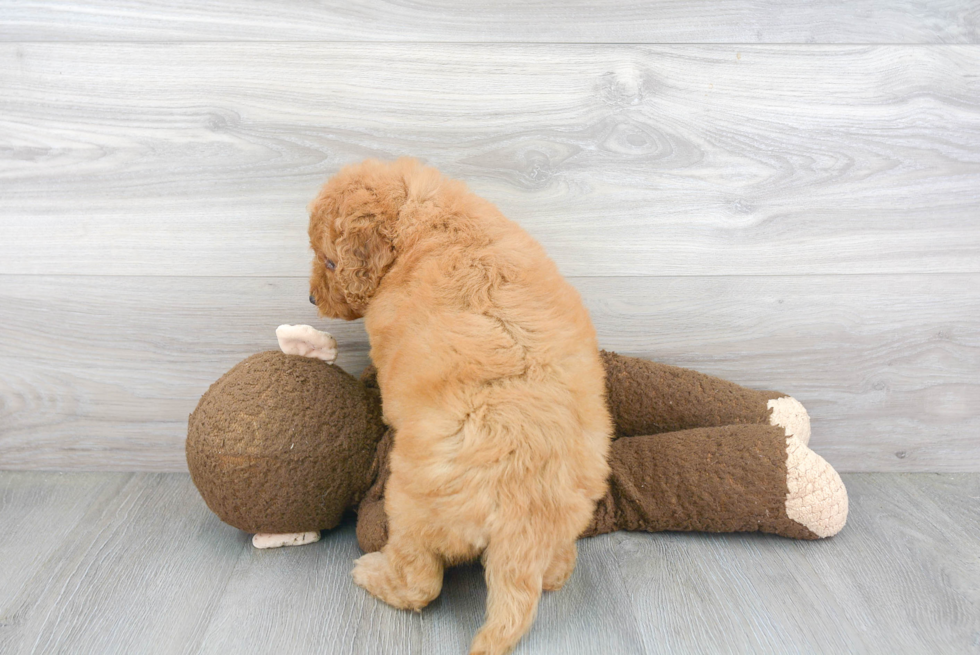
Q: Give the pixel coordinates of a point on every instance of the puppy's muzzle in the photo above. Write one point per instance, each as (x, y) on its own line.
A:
(312, 299)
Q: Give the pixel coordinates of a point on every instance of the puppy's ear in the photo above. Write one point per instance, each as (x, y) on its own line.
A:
(364, 254)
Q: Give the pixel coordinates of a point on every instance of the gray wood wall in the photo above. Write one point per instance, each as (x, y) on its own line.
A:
(783, 194)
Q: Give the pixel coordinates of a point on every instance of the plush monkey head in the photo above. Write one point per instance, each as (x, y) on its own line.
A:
(283, 443)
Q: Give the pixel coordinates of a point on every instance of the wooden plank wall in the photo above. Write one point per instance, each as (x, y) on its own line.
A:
(784, 195)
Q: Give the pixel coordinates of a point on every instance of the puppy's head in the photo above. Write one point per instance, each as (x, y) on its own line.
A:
(352, 233)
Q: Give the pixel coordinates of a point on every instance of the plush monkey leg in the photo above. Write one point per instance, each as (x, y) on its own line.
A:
(688, 480)
(645, 397)
(736, 478)
(372, 522)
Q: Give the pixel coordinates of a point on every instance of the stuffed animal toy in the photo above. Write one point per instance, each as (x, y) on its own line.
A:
(284, 443)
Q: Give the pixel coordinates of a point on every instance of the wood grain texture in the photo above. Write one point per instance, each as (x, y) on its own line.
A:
(888, 367)
(658, 21)
(926, 569)
(101, 372)
(140, 573)
(149, 569)
(884, 584)
(303, 601)
(40, 511)
(199, 159)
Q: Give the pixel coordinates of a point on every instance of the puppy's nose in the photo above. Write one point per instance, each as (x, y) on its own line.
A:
(312, 299)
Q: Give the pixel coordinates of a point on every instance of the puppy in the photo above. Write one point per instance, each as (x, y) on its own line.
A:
(490, 373)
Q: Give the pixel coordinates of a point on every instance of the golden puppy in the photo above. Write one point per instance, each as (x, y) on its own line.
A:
(490, 373)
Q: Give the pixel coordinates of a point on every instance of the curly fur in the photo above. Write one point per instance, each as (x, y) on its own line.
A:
(490, 373)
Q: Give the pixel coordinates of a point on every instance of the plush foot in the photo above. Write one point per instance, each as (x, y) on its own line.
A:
(789, 414)
(269, 540)
(816, 497)
(307, 341)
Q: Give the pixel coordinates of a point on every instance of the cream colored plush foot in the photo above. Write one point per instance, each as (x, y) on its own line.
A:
(816, 497)
(789, 414)
(268, 540)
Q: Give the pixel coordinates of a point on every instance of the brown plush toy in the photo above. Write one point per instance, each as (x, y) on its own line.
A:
(282, 445)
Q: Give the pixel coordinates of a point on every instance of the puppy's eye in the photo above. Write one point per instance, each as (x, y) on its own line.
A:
(329, 264)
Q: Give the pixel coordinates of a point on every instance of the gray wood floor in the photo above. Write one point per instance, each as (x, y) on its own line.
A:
(783, 194)
(135, 563)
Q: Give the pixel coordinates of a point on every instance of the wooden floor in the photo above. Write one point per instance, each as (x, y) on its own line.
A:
(135, 563)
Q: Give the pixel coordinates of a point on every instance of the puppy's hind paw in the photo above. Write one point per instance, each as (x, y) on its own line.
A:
(375, 574)
(368, 569)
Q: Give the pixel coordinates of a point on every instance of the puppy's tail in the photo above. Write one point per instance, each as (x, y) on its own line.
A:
(515, 564)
